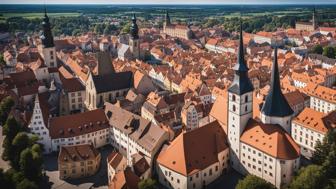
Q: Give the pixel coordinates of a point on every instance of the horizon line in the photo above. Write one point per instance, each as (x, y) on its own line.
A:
(326, 3)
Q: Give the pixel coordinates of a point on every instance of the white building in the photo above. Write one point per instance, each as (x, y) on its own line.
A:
(38, 123)
(322, 99)
(309, 127)
(263, 148)
(189, 162)
(84, 128)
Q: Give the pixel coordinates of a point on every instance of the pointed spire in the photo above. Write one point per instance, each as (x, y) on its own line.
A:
(241, 64)
(276, 103)
(134, 30)
(46, 37)
(241, 83)
(167, 18)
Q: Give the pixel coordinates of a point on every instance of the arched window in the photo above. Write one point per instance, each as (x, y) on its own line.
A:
(246, 98)
(234, 108)
(233, 98)
(246, 108)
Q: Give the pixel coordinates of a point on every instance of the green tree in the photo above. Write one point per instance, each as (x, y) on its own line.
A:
(329, 52)
(20, 143)
(99, 29)
(147, 184)
(26, 184)
(309, 177)
(126, 28)
(5, 107)
(318, 49)
(322, 149)
(31, 163)
(10, 129)
(6, 179)
(254, 182)
(2, 60)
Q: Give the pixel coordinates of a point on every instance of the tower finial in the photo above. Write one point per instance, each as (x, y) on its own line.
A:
(275, 102)
(45, 9)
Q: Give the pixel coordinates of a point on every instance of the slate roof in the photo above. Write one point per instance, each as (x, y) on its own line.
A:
(276, 103)
(112, 82)
(241, 83)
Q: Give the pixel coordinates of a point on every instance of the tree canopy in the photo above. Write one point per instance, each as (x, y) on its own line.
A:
(254, 182)
(147, 184)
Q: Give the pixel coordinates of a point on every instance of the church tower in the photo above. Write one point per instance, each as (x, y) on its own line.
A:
(167, 20)
(134, 41)
(314, 19)
(48, 50)
(240, 95)
(276, 109)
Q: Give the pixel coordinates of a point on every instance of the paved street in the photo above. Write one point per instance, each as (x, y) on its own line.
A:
(3, 164)
(226, 181)
(98, 180)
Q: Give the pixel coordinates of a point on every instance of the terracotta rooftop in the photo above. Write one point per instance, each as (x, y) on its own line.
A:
(114, 159)
(312, 119)
(181, 155)
(270, 139)
(125, 180)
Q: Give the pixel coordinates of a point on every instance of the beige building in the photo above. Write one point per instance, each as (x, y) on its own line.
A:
(131, 134)
(116, 163)
(176, 30)
(78, 161)
(191, 114)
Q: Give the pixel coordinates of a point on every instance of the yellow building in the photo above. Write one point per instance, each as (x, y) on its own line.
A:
(176, 30)
(78, 161)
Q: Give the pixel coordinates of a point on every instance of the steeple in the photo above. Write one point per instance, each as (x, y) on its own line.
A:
(314, 19)
(241, 83)
(47, 37)
(276, 104)
(167, 18)
(134, 30)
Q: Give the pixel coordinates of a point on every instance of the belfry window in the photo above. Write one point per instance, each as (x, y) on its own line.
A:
(233, 98)
(234, 108)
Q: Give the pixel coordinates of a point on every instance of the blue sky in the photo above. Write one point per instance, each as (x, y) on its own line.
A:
(317, 2)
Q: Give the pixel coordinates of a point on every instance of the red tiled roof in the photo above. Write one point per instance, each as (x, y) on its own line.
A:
(270, 139)
(77, 124)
